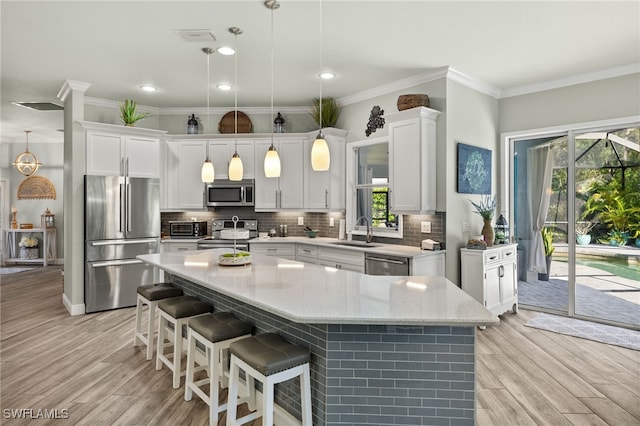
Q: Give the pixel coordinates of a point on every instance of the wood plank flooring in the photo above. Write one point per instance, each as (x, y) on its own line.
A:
(87, 366)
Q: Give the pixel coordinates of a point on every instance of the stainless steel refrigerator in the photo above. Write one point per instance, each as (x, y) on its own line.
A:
(122, 220)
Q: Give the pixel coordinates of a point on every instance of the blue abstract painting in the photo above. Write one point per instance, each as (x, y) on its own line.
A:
(474, 169)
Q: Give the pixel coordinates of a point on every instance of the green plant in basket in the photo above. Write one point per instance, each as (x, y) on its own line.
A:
(330, 111)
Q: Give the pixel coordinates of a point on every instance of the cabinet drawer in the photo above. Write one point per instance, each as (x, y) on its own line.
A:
(509, 254)
(274, 249)
(492, 256)
(341, 256)
(307, 250)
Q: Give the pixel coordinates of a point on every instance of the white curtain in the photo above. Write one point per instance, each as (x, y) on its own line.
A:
(539, 171)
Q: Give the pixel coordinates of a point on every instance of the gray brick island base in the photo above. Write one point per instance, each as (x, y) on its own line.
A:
(378, 355)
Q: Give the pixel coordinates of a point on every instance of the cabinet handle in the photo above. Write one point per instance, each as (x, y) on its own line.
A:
(493, 257)
(306, 251)
(501, 271)
(272, 249)
(276, 198)
(126, 170)
(326, 198)
(508, 253)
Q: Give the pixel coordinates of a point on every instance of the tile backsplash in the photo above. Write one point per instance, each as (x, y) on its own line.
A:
(320, 221)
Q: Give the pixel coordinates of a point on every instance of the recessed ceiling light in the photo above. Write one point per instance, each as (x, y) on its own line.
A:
(225, 50)
(224, 86)
(327, 75)
(148, 88)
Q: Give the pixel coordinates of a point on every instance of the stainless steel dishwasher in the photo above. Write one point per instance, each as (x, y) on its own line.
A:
(384, 264)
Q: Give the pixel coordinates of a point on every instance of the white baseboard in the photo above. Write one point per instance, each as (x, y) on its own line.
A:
(72, 309)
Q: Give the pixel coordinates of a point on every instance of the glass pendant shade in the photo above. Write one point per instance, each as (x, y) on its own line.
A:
(272, 163)
(320, 156)
(207, 173)
(236, 169)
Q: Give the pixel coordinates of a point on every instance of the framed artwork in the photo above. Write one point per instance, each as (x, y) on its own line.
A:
(474, 169)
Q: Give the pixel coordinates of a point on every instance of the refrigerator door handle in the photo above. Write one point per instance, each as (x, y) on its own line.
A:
(128, 207)
(115, 263)
(123, 242)
(122, 207)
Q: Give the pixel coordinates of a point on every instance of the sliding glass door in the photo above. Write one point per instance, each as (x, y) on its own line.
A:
(607, 225)
(578, 193)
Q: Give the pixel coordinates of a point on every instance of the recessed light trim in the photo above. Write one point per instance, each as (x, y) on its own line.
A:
(226, 50)
(327, 75)
(148, 88)
(225, 87)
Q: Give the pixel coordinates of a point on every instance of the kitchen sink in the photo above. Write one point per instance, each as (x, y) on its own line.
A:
(356, 244)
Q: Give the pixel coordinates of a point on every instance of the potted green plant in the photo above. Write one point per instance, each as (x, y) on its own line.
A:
(583, 237)
(330, 112)
(486, 208)
(547, 241)
(128, 113)
(616, 238)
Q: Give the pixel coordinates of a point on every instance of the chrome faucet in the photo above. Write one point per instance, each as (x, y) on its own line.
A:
(369, 233)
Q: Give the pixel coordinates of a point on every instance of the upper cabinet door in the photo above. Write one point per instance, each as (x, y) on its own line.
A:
(105, 154)
(291, 183)
(412, 160)
(143, 156)
(325, 191)
(266, 196)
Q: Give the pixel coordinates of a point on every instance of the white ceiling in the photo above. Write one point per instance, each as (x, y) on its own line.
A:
(118, 45)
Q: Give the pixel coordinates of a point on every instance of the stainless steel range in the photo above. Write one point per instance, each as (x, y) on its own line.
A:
(218, 226)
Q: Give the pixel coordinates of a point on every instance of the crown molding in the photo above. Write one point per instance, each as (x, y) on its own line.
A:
(70, 86)
(473, 83)
(571, 81)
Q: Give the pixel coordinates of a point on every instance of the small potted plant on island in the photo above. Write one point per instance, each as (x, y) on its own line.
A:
(547, 240)
(583, 237)
(486, 208)
(128, 113)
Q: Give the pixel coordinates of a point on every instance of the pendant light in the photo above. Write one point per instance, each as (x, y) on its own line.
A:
(26, 162)
(320, 156)
(236, 170)
(208, 173)
(271, 159)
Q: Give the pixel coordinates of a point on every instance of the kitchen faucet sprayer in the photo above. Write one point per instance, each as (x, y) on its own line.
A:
(369, 232)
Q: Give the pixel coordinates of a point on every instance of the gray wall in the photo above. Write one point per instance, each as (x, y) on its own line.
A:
(599, 100)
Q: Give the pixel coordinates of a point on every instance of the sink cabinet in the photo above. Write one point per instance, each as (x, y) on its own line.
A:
(490, 276)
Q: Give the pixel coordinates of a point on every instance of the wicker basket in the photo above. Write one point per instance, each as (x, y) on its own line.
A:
(28, 253)
(412, 101)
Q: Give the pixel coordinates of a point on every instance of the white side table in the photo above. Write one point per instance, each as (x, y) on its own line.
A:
(48, 249)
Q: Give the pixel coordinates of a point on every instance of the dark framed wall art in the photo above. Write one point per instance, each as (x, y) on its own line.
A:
(474, 169)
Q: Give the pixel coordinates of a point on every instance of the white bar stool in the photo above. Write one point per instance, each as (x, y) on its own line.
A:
(150, 295)
(176, 311)
(271, 360)
(215, 332)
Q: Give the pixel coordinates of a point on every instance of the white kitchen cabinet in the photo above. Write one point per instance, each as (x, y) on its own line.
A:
(220, 152)
(490, 276)
(307, 253)
(287, 191)
(412, 160)
(325, 191)
(174, 246)
(113, 150)
(184, 187)
(283, 250)
(341, 259)
(432, 265)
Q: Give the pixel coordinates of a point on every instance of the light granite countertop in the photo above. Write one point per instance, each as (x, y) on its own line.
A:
(379, 248)
(313, 294)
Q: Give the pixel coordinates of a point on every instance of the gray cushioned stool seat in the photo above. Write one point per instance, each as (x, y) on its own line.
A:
(220, 326)
(158, 291)
(269, 353)
(184, 306)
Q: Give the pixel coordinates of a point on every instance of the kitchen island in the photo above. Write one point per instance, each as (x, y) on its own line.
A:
(384, 349)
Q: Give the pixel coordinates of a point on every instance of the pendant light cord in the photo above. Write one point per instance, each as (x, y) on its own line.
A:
(236, 92)
(321, 62)
(208, 86)
(272, 74)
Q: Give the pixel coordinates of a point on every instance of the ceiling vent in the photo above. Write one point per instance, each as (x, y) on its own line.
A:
(196, 36)
(40, 106)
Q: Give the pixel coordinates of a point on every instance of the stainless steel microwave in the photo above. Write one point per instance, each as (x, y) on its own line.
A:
(228, 193)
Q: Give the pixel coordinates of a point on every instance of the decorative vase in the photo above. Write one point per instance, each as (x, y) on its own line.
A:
(487, 232)
(583, 240)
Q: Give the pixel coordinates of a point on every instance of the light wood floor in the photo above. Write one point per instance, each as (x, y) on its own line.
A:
(88, 366)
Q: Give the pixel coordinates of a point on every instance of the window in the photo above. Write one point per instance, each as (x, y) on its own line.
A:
(368, 189)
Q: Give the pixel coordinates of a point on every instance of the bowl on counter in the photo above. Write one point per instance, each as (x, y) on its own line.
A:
(311, 233)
